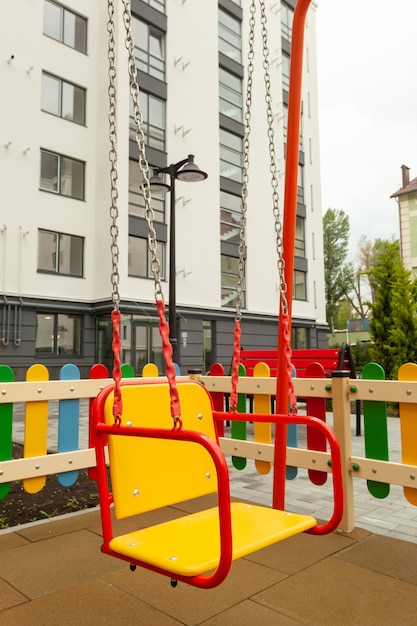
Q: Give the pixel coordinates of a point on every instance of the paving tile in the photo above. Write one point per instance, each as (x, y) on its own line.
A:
(383, 554)
(248, 613)
(334, 592)
(300, 551)
(9, 597)
(190, 605)
(91, 603)
(9, 540)
(60, 525)
(43, 567)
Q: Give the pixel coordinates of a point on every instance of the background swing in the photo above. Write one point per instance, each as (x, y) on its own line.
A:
(160, 457)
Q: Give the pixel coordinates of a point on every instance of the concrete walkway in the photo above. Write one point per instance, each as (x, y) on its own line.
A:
(393, 516)
(54, 573)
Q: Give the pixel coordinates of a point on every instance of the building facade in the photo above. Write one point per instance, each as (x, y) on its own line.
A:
(406, 197)
(55, 243)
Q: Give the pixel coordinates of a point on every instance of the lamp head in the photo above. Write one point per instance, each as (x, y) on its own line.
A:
(190, 172)
(157, 184)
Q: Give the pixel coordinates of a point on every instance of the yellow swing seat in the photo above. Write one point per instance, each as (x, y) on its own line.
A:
(153, 465)
(190, 545)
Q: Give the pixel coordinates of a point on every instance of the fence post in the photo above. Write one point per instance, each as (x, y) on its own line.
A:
(343, 431)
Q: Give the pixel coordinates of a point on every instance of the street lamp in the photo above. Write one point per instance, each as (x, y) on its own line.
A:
(189, 172)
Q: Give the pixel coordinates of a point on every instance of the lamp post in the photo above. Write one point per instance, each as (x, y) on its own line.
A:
(187, 171)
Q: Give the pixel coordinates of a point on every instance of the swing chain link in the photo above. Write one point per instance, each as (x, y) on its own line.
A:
(140, 140)
(273, 165)
(245, 168)
(114, 194)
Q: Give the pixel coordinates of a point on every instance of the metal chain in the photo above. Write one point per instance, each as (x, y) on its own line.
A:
(273, 165)
(245, 169)
(114, 194)
(143, 163)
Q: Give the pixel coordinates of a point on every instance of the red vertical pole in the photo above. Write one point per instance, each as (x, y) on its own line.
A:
(288, 238)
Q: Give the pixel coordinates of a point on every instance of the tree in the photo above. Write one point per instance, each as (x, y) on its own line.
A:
(404, 319)
(362, 293)
(382, 280)
(338, 274)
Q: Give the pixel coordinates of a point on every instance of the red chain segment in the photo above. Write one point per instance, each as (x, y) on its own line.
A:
(285, 321)
(117, 371)
(235, 366)
(169, 366)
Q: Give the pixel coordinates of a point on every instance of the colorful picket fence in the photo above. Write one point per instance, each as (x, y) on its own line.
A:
(256, 391)
(36, 419)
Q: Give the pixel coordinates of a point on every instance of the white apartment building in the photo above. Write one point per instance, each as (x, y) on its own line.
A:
(191, 57)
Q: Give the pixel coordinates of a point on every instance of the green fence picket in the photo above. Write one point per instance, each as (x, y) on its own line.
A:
(375, 429)
(6, 426)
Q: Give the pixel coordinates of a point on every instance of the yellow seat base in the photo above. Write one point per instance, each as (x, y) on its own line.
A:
(190, 545)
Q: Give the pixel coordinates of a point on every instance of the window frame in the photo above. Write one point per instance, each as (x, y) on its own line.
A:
(137, 201)
(146, 60)
(235, 213)
(65, 12)
(234, 154)
(161, 253)
(154, 139)
(57, 348)
(226, 88)
(300, 238)
(226, 272)
(60, 159)
(287, 18)
(58, 254)
(297, 285)
(229, 39)
(62, 82)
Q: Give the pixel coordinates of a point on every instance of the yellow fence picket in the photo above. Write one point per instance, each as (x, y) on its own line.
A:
(36, 426)
(262, 404)
(408, 423)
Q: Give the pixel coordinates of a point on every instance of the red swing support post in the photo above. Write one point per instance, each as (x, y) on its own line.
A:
(289, 221)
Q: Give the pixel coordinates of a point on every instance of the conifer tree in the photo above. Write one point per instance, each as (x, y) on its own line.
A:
(403, 333)
(382, 279)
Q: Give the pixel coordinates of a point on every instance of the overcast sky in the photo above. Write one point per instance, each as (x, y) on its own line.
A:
(367, 64)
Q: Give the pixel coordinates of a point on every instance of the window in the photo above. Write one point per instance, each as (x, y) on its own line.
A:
(62, 175)
(59, 253)
(159, 5)
(231, 160)
(229, 278)
(299, 338)
(300, 184)
(285, 122)
(65, 26)
(230, 36)
(287, 16)
(149, 48)
(153, 124)
(208, 345)
(286, 71)
(300, 285)
(136, 199)
(300, 243)
(58, 333)
(139, 258)
(230, 214)
(230, 95)
(63, 99)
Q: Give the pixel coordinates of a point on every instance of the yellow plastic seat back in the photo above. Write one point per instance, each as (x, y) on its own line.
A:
(150, 473)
